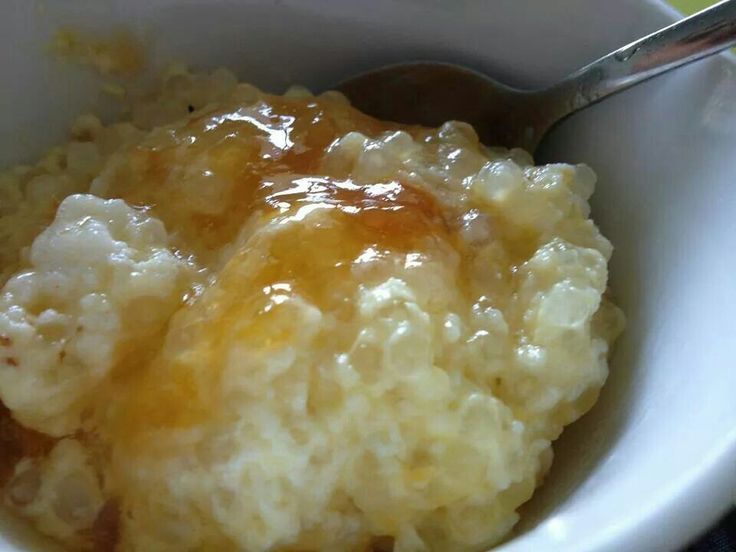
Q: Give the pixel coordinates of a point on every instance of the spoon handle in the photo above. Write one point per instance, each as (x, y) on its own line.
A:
(688, 40)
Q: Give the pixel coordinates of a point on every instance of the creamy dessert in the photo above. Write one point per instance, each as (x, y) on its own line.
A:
(240, 321)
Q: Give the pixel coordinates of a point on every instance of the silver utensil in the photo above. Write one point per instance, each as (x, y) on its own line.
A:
(430, 93)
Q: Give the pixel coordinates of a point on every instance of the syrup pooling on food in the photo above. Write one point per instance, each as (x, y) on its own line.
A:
(274, 323)
(312, 236)
(228, 152)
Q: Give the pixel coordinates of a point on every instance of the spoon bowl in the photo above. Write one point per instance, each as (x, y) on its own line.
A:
(430, 93)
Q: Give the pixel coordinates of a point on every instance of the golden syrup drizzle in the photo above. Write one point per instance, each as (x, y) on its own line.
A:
(227, 154)
(205, 180)
(311, 231)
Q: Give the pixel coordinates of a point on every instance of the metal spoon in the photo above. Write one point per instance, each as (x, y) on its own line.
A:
(430, 93)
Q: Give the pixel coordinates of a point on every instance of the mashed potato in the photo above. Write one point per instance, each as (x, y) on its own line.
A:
(256, 322)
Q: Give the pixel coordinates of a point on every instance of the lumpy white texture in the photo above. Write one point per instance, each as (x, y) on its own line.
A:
(386, 443)
(60, 493)
(420, 407)
(98, 279)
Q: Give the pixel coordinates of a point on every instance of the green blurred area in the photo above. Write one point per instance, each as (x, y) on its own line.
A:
(691, 6)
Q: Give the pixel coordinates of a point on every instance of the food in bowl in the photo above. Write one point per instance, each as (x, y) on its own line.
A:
(240, 321)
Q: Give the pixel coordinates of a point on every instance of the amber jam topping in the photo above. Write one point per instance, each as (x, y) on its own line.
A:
(253, 176)
(307, 235)
(248, 175)
(200, 178)
(340, 336)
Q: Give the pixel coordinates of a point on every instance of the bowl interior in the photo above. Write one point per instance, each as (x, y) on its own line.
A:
(658, 448)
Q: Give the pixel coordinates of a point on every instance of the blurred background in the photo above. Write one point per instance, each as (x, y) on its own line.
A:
(690, 6)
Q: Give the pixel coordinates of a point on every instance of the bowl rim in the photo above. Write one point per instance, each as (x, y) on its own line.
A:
(690, 505)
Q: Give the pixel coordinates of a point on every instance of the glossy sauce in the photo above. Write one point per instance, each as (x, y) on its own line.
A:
(309, 232)
(201, 178)
(247, 167)
(360, 319)
(244, 170)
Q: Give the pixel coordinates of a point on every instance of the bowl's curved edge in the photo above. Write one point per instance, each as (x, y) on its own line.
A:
(690, 506)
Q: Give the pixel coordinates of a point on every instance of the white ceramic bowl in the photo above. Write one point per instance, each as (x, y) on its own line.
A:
(655, 462)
